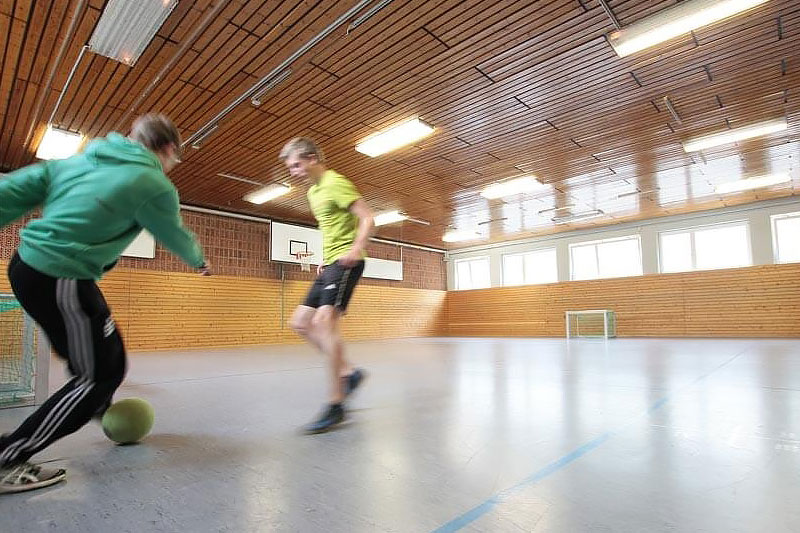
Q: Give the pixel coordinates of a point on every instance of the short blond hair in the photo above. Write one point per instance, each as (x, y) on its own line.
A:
(304, 147)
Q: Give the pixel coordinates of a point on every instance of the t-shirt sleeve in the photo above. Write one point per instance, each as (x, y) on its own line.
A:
(344, 193)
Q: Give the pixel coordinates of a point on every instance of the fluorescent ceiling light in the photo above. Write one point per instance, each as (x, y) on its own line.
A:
(270, 192)
(126, 27)
(58, 144)
(704, 142)
(389, 217)
(675, 21)
(578, 216)
(752, 183)
(394, 138)
(455, 235)
(513, 186)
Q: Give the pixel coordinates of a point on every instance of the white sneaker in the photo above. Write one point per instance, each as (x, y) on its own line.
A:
(27, 476)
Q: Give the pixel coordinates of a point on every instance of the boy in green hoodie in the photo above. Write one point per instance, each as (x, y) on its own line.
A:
(93, 205)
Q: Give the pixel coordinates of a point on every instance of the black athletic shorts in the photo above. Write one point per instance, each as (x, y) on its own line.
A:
(334, 286)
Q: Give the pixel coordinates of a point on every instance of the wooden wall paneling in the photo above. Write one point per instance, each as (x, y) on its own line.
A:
(745, 302)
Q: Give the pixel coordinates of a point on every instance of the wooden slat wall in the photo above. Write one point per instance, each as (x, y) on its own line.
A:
(762, 301)
(174, 310)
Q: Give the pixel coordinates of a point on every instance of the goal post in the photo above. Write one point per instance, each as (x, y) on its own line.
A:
(24, 356)
(591, 323)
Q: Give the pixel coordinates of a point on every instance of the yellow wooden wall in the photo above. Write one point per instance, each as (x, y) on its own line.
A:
(170, 310)
(761, 301)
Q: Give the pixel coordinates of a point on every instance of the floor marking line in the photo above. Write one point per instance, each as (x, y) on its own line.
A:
(481, 509)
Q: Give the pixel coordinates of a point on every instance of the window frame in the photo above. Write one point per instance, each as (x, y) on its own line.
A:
(596, 243)
(773, 220)
(691, 231)
(523, 254)
(468, 260)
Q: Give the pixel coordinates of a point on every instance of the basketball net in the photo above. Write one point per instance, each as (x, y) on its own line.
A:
(304, 258)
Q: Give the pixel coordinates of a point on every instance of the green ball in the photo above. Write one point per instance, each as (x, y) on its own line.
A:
(128, 421)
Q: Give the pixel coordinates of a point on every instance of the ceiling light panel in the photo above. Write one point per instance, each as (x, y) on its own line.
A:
(734, 135)
(674, 22)
(395, 137)
(126, 27)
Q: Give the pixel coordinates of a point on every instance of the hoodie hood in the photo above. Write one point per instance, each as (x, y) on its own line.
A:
(116, 149)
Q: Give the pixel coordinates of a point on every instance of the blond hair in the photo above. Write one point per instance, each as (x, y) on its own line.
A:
(304, 147)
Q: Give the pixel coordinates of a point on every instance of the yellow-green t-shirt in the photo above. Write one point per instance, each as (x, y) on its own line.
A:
(330, 201)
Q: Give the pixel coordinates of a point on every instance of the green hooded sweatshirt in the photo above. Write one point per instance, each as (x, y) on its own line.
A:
(93, 205)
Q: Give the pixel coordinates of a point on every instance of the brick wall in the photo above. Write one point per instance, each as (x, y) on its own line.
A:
(239, 248)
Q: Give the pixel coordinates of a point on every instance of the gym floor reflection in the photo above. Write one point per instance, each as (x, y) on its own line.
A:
(449, 434)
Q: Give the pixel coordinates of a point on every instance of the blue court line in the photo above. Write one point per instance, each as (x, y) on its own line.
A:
(478, 511)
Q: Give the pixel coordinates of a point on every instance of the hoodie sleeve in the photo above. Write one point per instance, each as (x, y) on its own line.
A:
(161, 216)
(22, 190)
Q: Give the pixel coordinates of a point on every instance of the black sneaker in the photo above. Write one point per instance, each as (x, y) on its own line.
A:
(333, 415)
(352, 381)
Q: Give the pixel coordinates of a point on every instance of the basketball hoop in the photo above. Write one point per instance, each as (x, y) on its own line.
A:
(304, 258)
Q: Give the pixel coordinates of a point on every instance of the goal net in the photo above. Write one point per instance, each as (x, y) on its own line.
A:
(592, 323)
(18, 350)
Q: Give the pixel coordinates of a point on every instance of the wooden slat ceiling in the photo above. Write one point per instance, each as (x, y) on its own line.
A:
(512, 87)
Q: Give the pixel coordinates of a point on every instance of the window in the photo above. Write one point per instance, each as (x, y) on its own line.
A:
(609, 258)
(530, 268)
(706, 248)
(786, 237)
(472, 273)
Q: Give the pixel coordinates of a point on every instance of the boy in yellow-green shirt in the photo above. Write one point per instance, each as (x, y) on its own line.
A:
(346, 222)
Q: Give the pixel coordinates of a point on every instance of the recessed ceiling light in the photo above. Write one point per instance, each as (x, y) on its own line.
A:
(394, 138)
(675, 21)
(513, 186)
(752, 183)
(58, 144)
(455, 235)
(735, 135)
(389, 217)
(127, 27)
(270, 192)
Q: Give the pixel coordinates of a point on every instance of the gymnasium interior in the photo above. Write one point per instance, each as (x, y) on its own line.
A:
(580, 305)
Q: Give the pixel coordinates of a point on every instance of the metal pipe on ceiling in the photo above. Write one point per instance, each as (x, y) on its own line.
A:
(265, 220)
(368, 15)
(227, 214)
(672, 110)
(45, 90)
(210, 16)
(278, 70)
(240, 178)
(66, 83)
(610, 13)
(407, 245)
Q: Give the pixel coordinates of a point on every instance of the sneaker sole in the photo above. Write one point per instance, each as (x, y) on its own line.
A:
(60, 476)
(326, 429)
